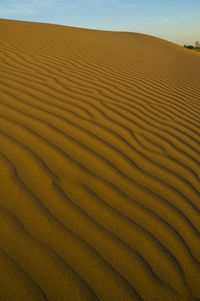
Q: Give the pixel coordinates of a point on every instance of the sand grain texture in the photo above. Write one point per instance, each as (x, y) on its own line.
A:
(99, 166)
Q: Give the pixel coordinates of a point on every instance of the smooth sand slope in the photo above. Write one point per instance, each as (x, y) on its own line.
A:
(99, 166)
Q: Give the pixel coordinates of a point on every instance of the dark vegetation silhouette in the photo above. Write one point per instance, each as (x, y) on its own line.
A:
(196, 47)
(189, 46)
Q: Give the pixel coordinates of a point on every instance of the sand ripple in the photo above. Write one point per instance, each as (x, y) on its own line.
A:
(99, 166)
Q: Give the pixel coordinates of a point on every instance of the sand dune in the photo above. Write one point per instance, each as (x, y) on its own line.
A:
(99, 166)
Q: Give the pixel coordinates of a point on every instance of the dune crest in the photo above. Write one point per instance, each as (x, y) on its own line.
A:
(99, 166)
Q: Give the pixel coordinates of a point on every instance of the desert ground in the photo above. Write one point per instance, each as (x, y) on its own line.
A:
(99, 166)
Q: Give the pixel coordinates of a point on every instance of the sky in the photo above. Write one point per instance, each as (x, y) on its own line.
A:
(174, 20)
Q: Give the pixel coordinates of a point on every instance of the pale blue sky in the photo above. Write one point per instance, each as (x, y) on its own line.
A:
(174, 20)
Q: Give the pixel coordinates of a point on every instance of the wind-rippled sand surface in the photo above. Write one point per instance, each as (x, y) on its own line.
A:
(99, 166)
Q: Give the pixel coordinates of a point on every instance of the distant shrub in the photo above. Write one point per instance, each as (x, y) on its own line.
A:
(197, 45)
(189, 46)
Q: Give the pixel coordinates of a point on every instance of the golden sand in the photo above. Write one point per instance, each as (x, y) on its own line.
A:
(99, 166)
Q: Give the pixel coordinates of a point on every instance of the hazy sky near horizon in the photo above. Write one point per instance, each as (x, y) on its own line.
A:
(174, 20)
